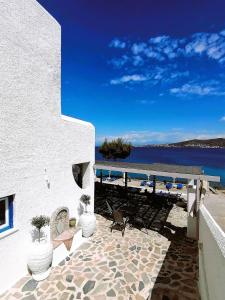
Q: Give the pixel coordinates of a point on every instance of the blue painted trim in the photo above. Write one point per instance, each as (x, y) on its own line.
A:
(5, 228)
(10, 209)
(10, 215)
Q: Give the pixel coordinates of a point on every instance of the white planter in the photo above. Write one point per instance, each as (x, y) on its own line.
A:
(40, 259)
(88, 224)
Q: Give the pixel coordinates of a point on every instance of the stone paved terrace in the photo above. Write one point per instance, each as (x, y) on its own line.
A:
(138, 266)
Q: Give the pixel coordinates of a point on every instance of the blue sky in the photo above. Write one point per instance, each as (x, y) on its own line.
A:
(148, 71)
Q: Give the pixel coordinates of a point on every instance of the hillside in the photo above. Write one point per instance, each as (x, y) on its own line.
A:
(196, 143)
(210, 143)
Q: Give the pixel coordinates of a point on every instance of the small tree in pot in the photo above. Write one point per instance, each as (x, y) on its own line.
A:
(85, 199)
(40, 222)
(41, 251)
(87, 219)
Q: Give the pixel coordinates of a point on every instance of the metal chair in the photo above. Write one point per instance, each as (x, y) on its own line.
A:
(119, 222)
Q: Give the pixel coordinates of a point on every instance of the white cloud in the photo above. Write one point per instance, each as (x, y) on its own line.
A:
(159, 137)
(178, 74)
(209, 88)
(211, 45)
(151, 53)
(146, 102)
(223, 119)
(137, 60)
(119, 62)
(129, 79)
(146, 51)
(159, 39)
(152, 76)
(116, 43)
(137, 48)
(164, 59)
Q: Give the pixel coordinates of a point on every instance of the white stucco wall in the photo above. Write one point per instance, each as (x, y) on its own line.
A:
(33, 134)
(211, 257)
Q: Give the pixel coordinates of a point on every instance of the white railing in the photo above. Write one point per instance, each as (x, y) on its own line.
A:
(211, 257)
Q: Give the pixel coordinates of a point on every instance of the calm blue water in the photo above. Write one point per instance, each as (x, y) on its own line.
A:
(212, 160)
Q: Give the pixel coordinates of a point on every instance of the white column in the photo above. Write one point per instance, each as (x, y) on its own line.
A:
(191, 182)
(198, 195)
(191, 216)
(123, 177)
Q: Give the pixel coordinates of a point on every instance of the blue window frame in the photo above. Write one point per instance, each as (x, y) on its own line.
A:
(6, 213)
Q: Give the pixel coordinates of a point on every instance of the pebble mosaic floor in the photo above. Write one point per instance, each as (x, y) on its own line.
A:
(137, 266)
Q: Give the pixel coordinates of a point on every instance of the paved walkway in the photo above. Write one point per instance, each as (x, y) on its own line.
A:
(137, 266)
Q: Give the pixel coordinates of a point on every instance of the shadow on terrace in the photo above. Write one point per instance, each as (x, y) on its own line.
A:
(178, 276)
(144, 210)
(178, 273)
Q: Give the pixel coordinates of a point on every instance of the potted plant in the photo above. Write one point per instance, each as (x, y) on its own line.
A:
(41, 252)
(87, 219)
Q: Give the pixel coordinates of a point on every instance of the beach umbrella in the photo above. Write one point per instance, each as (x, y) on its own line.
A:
(169, 186)
(179, 186)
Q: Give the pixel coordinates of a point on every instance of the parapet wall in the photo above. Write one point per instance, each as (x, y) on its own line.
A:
(211, 257)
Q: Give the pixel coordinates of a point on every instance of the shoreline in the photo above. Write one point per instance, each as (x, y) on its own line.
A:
(160, 187)
(135, 183)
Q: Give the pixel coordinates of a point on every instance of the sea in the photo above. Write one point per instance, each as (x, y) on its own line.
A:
(212, 160)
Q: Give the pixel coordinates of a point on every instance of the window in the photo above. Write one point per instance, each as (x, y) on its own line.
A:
(77, 174)
(6, 213)
(81, 174)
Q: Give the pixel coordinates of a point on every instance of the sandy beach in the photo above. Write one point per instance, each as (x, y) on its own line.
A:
(136, 183)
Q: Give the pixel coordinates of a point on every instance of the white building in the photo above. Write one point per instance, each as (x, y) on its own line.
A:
(38, 145)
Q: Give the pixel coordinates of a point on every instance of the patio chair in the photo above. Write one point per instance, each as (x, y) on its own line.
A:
(119, 222)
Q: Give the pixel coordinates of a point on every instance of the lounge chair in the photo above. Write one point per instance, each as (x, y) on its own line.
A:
(119, 222)
(143, 183)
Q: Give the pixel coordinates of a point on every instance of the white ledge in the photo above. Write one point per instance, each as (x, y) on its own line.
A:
(8, 232)
(78, 121)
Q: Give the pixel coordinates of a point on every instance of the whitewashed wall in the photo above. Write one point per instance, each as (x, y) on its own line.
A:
(33, 134)
(211, 258)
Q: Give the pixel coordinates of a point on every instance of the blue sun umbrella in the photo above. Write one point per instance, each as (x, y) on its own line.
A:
(179, 186)
(169, 186)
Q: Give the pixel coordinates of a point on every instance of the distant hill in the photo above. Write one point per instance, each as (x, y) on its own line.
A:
(210, 143)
